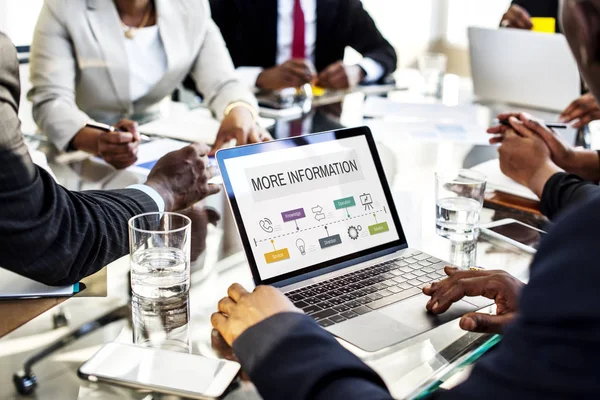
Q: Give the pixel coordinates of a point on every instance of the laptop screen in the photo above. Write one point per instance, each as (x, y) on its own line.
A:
(309, 202)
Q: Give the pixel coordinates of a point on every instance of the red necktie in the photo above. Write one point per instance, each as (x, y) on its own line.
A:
(298, 45)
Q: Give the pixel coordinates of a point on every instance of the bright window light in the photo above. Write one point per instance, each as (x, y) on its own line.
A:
(465, 13)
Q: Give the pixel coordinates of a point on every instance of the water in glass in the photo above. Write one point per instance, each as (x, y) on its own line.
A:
(162, 323)
(160, 272)
(457, 218)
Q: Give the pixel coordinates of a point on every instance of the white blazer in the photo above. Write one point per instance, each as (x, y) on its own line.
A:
(79, 68)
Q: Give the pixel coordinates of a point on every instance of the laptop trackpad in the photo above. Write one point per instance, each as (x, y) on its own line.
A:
(412, 312)
(395, 323)
(373, 331)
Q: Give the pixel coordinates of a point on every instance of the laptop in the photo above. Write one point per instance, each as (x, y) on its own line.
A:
(523, 68)
(317, 220)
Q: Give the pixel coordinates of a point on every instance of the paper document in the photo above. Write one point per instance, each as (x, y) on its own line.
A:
(284, 113)
(16, 286)
(389, 119)
(381, 107)
(386, 130)
(496, 180)
(149, 153)
(197, 125)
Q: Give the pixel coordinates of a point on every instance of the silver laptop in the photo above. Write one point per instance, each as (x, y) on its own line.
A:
(524, 68)
(317, 220)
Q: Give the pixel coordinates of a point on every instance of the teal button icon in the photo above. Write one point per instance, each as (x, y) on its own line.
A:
(344, 203)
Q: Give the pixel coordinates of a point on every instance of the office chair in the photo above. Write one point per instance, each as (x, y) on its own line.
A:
(25, 380)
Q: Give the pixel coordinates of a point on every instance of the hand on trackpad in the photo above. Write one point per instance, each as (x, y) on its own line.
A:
(467, 287)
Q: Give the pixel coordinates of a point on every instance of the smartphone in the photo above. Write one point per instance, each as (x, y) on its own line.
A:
(180, 374)
(521, 235)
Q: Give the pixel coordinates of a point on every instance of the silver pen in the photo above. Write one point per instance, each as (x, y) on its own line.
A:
(110, 128)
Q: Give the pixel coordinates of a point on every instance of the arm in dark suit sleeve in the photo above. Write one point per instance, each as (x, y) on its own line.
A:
(550, 352)
(289, 356)
(366, 38)
(48, 233)
(563, 191)
(218, 12)
(552, 349)
(539, 8)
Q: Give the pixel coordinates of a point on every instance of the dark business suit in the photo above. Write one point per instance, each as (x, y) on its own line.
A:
(541, 8)
(249, 28)
(550, 352)
(564, 191)
(48, 233)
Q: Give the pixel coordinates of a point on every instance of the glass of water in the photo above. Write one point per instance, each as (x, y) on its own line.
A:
(159, 245)
(433, 68)
(459, 199)
(162, 323)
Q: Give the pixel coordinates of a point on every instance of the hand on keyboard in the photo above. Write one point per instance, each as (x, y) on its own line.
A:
(498, 285)
(242, 310)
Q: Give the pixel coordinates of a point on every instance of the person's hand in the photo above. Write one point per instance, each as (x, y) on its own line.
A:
(524, 156)
(201, 216)
(119, 148)
(584, 108)
(562, 154)
(292, 73)
(181, 177)
(572, 159)
(242, 310)
(500, 286)
(340, 76)
(516, 17)
(239, 124)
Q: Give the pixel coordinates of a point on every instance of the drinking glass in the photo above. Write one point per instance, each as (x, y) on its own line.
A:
(459, 199)
(433, 68)
(159, 245)
(162, 323)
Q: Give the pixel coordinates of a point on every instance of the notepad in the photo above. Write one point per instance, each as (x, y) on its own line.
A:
(196, 125)
(496, 180)
(15, 286)
(543, 24)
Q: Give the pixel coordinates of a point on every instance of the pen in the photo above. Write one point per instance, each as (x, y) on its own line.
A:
(110, 128)
(551, 125)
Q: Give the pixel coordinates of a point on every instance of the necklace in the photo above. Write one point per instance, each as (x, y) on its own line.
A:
(131, 31)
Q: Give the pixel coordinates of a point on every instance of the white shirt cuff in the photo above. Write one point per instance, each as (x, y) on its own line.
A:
(249, 75)
(160, 203)
(373, 70)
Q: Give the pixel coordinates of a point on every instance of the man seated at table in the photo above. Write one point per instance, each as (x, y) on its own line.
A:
(286, 43)
(582, 110)
(57, 236)
(548, 351)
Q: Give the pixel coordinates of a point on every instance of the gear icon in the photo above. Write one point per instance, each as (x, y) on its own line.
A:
(353, 231)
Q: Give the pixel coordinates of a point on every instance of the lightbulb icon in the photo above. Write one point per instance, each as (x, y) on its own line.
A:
(301, 246)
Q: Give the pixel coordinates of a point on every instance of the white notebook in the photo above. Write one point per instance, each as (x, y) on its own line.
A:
(496, 180)
(16, 286)
(196, 125)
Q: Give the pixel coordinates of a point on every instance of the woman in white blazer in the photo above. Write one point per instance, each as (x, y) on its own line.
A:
(113, 61)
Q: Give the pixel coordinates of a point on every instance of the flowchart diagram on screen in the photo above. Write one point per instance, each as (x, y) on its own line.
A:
(321, 227)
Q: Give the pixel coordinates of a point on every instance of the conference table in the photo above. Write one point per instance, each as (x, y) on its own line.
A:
(409, 165)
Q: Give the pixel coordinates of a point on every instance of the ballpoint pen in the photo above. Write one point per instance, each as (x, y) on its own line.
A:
(551, 125)
(110, 128)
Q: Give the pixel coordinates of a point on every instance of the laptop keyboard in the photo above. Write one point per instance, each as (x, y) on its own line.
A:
(348, 296)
